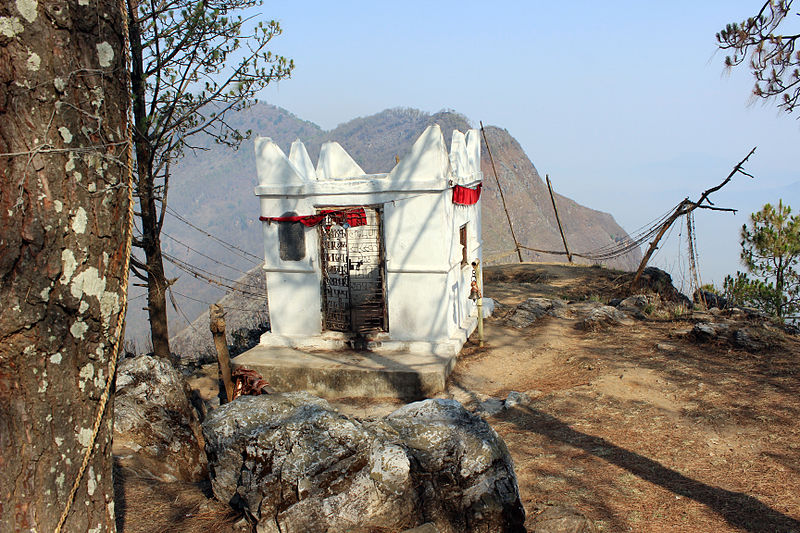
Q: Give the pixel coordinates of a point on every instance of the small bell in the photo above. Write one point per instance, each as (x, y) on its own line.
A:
(474, 293)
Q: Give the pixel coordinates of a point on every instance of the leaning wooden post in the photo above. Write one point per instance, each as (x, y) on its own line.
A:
(217, 324)
(679, 211)
(558, 220)
(502, 196)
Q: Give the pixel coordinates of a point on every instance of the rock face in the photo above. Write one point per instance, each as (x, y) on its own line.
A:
(296, 465)
(154, 421)
(466, 477)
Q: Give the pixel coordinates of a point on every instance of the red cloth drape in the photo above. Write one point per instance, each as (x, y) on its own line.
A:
(465, 195)
(354, 217)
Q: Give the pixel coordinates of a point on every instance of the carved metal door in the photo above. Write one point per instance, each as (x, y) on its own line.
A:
(352, 271)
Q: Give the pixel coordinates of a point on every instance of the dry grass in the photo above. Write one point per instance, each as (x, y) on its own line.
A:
(144, 504)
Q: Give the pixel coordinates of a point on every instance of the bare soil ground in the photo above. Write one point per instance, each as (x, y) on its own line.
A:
(639, 427)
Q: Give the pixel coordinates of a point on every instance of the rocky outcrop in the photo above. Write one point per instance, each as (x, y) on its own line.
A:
(603, 317)
(295, 464)
(533, 309)
(657, 281)
(155, 426)
(591, 315)
(752, 337)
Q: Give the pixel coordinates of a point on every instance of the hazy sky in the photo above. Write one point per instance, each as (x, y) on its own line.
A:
(625, 104)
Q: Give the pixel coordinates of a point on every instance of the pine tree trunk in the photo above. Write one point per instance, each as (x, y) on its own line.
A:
(156, 280)
(151, 234)
(63, 212)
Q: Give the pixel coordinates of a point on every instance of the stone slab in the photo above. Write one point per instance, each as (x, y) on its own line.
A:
(342, 374)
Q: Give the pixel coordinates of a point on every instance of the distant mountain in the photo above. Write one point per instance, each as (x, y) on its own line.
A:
(213, 189)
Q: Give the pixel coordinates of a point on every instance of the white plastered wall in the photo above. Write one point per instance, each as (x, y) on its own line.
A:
(426, 284)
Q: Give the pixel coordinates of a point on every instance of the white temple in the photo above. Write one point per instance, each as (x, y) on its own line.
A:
(371, 261)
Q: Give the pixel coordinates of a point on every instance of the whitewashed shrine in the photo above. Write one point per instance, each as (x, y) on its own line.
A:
(371, 261)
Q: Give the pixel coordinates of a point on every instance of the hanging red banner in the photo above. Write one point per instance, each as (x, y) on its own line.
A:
(465, 195)
(353, 217)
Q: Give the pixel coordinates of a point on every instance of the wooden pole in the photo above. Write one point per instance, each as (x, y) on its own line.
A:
(679, 211)
(558, 220)
(502, 196)
(216, 317)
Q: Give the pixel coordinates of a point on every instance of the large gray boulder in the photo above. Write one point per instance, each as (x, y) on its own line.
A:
(464, 472)
(295, 464)
(156, 429)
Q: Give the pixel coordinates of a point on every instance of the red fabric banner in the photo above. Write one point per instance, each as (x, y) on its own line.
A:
(354, 217)
(465, 195)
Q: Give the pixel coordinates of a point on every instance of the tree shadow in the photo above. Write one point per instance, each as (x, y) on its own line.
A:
(738, 509)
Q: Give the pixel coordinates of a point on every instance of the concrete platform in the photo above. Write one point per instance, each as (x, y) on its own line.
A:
(341, 374)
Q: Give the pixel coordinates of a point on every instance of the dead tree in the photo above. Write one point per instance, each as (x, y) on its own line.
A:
(64, 204)
(686, 207)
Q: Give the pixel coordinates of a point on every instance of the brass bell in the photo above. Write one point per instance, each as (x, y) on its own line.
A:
(474, 293)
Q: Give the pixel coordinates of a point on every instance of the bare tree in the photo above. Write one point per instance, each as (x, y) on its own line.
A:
(192, 63)
(64, 203)
(773, 57)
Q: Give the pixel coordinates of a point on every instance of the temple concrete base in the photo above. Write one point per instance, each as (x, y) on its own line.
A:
(343, 374)
(326, 364)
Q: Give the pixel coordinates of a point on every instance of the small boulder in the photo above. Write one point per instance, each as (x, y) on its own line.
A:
(634, 305)
(490, 407)
(709, 299)
(295, 464)
(515, 399)
(709, 331)
(533, 309)
(602, 317)
(529, 312)
(585, 308)
(155, 427)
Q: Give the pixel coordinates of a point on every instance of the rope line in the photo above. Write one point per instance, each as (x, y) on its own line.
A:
(206, 276)
(198, 252)
(244, 253)
(609, 251)
(226, 307)
(112, 364)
